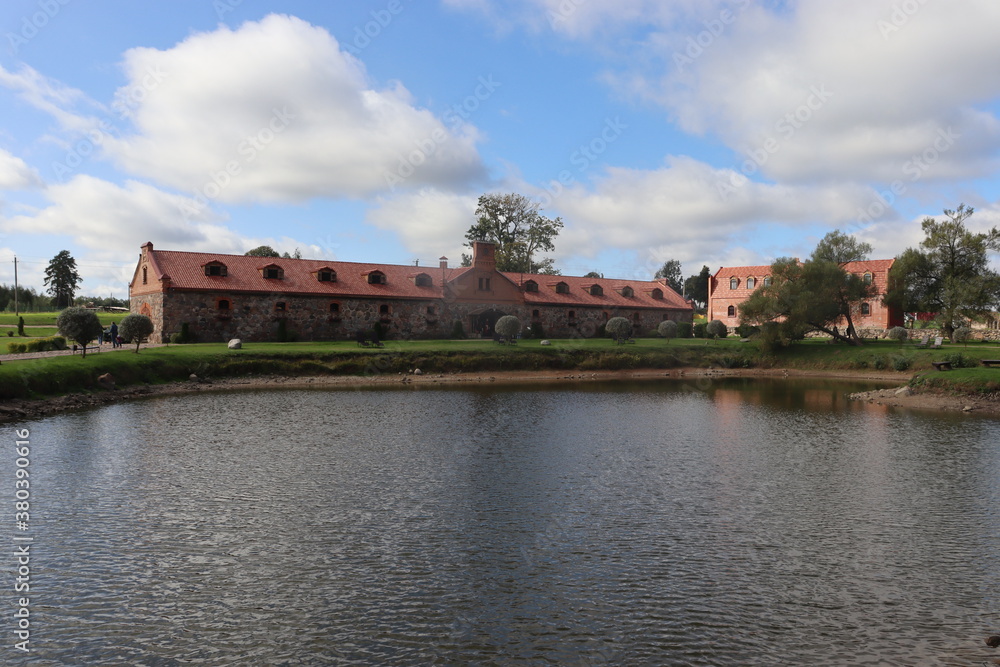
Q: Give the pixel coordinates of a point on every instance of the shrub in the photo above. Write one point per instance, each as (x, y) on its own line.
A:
(879, 363)
(457, 330)
(747, 330)
(684, 329)
(958, 360)
(667, 329)
(135, 328)
(618, 328)
(898, 333)
(20, 326)
(508, 326)
(900, 363)
(961, 335)
(79, 325)
(185, 335)
(701, 330)
(16, 348)
(716, 329)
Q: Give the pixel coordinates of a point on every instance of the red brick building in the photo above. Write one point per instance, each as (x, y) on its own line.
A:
(732, 285)
(235, 296)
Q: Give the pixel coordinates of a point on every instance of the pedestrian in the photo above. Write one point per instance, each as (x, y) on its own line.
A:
(114, 335)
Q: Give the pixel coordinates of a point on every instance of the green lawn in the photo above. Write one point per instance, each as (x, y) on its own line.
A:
(29, 332)
(49, 319)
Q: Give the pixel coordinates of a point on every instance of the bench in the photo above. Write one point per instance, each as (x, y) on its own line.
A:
(941, 365)
(90, 348)
(989, 363)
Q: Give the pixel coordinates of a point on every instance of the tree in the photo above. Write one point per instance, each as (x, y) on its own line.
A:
(513, 223)
(135, 328)
(696, 287)
(262, 251)
(667, 329)
(508, 326)
(62, 279)
(618, 328)
(717, 329)
(593, 274)
(79, 325)
(295, 255)
(949, 274)
(813, 295)
(671, 272)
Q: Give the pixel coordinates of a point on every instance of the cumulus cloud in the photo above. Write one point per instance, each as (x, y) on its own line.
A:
(276, 111)
(430, 222)
(15, 174)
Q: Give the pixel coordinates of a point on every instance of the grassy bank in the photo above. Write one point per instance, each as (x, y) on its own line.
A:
(34, 378)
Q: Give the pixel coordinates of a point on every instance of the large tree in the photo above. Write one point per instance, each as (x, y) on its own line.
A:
(816, 294)
(696, 286)
(513, 223)
(671, 272)
(263, 251)
(949, 273)
(79, 325)
(62, 279)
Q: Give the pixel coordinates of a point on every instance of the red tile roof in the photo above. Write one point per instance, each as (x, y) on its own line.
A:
(579, 295)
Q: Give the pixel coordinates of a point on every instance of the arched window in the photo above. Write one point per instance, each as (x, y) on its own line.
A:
(383, 309)
(596, 290)
(144, 275)
(751, 283)
(334, 308)
(867, 278)
(731, 311)
(657, 294)
(734, 283)
(223, 304)
(628, 292)
(530, 286)
(423, 280)
(866, 309)
(562, 288)
(767, 281)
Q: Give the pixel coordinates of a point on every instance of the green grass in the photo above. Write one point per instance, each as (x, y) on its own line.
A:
(49, 319)
(29, 332)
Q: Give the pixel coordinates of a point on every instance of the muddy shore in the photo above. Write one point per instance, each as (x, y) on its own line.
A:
(32, 409)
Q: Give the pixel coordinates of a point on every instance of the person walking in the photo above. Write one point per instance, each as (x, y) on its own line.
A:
(114, 335)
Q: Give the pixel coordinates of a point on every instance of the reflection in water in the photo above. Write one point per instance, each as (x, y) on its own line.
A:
(738, 522)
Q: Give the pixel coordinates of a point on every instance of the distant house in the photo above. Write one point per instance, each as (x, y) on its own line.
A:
(732, 285)
(236, 296)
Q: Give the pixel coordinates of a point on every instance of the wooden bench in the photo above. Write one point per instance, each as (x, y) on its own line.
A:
(989, 363)
(941, 365)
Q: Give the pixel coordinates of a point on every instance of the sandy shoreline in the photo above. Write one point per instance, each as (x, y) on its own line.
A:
(32, 409)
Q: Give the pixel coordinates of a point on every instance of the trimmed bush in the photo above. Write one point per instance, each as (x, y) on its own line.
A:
(457, 330)
(667, 329)
(700, 330)
(135, 328)
(716, 329)
(747, 330)
(16, 348)
(508, 326)
(618, 328)
(961, 335)
(900, 363)
(79, 325)
(684, 329)
(898, 333)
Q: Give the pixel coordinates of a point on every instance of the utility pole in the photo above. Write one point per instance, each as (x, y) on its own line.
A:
(16, 313)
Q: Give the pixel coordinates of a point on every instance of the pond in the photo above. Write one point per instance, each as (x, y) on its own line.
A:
(721, 522)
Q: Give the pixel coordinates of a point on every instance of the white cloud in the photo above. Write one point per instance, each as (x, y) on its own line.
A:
(15, 174)
(430, 223)
(276, 111)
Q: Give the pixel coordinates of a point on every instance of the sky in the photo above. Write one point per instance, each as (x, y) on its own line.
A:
(718, 133)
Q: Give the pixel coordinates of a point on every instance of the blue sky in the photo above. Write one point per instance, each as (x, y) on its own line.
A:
(718, 133)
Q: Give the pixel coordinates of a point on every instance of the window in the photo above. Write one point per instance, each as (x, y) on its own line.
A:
(223, 304)
(657, 294)
(423, 280)
(605, 315)
(383, 309)
(751, 283)
(767, 281)
(376, 278)
(731, 311)
(628, 292)
(484, 284)
(868, 278)
(530, 286)
(596, 290)
(734, 283)
(280, 306)
(335, 308)
(144, 275)
(635, 316)
(571, 315)
(273, 272)
(866, 309)
(536, 314)
(562, 288)
(215, 269)
(326, 276)
(430, 310)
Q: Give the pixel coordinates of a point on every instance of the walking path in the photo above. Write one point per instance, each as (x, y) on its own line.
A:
(105, 348)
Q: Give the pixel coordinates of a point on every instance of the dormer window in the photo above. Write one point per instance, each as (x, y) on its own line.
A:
(657, 294)
(272, 272)
(596, 290)
(530, 286)
(767, 281)
(628, 292)
(215, 269)
(562, 288)
(423, 280)
(867, 278)
(376, 278)
(326, 276)
(751, 283)
(734, 283)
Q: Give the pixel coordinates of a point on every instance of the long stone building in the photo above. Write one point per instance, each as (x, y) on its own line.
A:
(220, 297)
(732, 285)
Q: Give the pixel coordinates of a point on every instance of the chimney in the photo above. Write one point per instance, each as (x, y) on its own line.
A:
(443, 262)
(482, 256)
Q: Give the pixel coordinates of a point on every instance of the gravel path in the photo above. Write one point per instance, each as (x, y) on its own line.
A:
(62, 353)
